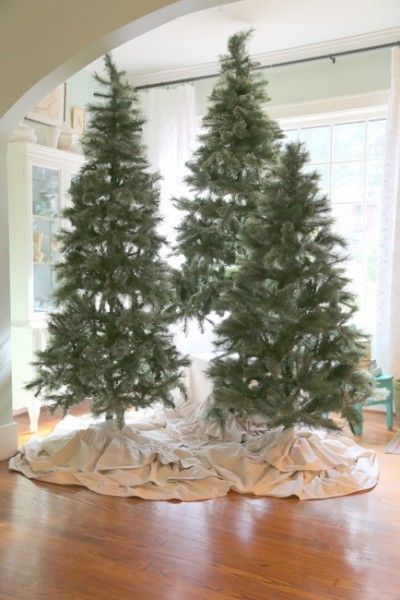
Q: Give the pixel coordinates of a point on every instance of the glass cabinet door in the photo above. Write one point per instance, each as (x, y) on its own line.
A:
(46, 208)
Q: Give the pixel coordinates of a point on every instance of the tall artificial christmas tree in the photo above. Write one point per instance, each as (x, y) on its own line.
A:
(287, 349)
(109, 336)
(225, 179)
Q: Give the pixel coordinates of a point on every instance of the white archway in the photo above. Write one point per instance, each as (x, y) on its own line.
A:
(77, 33)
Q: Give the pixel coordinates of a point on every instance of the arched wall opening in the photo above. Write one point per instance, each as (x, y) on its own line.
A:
(63, 38)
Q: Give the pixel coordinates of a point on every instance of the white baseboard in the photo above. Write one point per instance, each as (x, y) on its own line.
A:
(8, 440)
(20, 411)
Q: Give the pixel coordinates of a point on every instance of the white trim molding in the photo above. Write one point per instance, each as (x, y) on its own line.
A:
(375, 38)
(368, 103)
(8, 440)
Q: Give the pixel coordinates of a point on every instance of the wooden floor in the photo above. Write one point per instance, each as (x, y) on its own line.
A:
(68, 543)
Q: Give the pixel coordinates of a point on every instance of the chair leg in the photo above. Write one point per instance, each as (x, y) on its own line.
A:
(389, 404)
(358, 429)
(389, 413)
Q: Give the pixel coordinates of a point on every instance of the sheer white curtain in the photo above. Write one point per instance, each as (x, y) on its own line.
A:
(170, 136)
(387, 344)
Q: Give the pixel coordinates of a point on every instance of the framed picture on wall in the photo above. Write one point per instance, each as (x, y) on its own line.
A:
(50, 110)
(78, 119)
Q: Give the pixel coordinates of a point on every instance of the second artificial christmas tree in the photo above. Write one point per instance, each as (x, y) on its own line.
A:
(235, 151)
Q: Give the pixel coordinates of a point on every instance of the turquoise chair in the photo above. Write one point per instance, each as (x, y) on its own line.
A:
(383, 381)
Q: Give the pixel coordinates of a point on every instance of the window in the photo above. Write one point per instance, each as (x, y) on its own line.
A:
(348, 154)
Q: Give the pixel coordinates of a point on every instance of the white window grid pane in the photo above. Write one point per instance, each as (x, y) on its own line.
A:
(356, 147)
(376, 127)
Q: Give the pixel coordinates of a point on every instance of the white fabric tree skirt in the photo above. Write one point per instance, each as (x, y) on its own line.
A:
(175, 454)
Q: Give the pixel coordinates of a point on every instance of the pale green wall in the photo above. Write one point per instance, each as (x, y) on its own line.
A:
(80, 90)
(354, 74)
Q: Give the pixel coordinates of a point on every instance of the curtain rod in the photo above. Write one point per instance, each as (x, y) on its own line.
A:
(333, 56)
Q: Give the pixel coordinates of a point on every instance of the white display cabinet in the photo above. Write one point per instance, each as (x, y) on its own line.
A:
(38, 178)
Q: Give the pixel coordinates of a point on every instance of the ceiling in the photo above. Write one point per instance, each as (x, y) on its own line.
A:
(194, 42)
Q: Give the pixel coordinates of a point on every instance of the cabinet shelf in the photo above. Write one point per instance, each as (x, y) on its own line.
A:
(39, 178)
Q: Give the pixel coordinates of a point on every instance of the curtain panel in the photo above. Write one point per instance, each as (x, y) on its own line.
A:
(387, 338)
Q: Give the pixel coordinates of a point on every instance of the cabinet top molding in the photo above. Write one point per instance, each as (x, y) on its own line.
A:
(40, 151)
